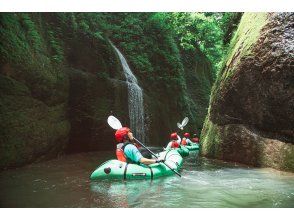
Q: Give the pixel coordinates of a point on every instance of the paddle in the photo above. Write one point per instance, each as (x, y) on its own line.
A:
(184, 123)
(115, 124)
(176, 172)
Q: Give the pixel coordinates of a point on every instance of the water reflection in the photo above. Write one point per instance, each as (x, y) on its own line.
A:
(204, 183)
(64, 182)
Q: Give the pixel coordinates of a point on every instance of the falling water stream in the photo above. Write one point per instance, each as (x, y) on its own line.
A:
(135, 99)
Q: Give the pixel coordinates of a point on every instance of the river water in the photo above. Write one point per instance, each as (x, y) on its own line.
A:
(64, 182)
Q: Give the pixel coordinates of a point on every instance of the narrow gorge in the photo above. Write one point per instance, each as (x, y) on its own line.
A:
(208, 98)
(61, 78)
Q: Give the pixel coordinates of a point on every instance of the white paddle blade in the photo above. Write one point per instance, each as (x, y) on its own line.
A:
(114, 122)
(185, 122)
(179, 126)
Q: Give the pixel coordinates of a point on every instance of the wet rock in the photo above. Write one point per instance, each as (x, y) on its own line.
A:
(254, 96)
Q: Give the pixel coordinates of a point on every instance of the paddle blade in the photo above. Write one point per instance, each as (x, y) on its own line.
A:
(114, 122)
(185, 122)
(179, 126)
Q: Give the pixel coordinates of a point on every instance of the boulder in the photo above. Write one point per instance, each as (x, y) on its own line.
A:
(251, 112)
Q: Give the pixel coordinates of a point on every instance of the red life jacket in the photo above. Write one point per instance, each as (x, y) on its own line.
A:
(184, 142)
(175, 144)
(195, 140)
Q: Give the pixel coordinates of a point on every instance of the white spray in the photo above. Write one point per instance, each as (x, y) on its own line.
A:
(135, 99)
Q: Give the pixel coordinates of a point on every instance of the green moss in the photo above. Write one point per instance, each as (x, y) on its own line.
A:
(244, 39)
(36, 50)
(57, 47)
(29, 128)
(198, 75)
(14, 46)
(33, 91)
(210, 139)
(24, 52)
(33, 36)
(288, 160)
(241, 46)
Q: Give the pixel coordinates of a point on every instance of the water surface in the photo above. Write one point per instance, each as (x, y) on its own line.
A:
(64, 182)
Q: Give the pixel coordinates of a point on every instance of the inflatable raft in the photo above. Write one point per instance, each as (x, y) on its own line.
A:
(183, 151)
(192, 147)
(115, 169)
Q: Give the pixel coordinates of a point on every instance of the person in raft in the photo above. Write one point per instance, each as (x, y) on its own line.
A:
(175, 141)
(195, 139)
(186, 140)
(127, 151)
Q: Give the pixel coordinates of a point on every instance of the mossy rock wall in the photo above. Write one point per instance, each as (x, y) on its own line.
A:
(60, 79)
(250, 118)
(57, 87)
(97, 89)
(34, 95)
(165, 107)
(199, 80)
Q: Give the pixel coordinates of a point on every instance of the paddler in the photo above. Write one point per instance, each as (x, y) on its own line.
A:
(186, 139)
(195, 139)
(127, 151)
(175, 141)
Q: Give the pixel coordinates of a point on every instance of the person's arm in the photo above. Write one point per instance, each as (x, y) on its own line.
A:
(168, 147)
(179, 140)
(134, 154)
(147, 161)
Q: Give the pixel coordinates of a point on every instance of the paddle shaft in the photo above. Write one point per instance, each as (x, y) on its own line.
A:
(180, 130)
(115, 124)
(157, 157)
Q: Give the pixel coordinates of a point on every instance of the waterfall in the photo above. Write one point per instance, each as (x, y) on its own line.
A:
(135, 99)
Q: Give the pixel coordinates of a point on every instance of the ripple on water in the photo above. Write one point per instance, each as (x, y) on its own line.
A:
(204, 183)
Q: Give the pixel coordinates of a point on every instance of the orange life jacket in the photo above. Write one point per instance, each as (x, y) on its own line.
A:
(120, 152)
(121, 155)
(184, 142)
(175, 144)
